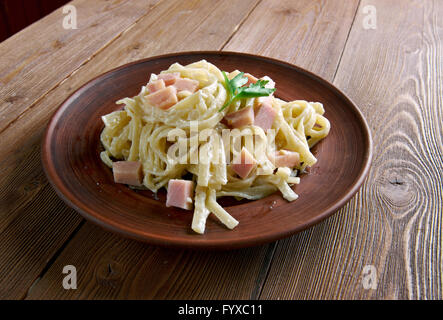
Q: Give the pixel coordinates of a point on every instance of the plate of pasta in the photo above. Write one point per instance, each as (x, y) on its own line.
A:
(207, 150)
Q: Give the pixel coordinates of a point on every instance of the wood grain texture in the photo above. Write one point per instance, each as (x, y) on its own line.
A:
(37, 59)
(22, 179)
(394, 73)
(110, 267)
(40, 228)
(256, 264)
(71, 149)
(309, 34)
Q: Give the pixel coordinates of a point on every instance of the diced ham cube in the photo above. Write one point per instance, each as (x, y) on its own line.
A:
(265, 116)
(240, 118)
(285, 158)
(186, 85)
(243, 164)
(169, 78)
(128, 172)
(163, 98)
(251, 79)
(180, 194)
(260, 100)
(156, 85)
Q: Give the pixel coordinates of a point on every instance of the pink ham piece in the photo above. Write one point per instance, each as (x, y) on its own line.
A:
(180, 194)
(260, 100)
(243, 164)
(186, 84)
(251, 79)
(128, 172)
(163, 98)
(169, 78)
(285, 158)
(265, 116)
(240, 118)
(156, 85)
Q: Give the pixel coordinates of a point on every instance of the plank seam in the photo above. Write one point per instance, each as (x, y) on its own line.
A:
(346, 41)
(239, 25)
(54, 257)
(267, 271)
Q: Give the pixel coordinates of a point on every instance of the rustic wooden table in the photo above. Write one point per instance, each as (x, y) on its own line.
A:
(386, 55)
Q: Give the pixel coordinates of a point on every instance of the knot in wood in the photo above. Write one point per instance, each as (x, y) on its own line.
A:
(397, 188)
(109, 273)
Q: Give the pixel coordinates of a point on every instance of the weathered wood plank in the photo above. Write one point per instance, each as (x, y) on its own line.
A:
(394, 74)
(195, 274)
(22, 179)
(35, 60)
(310, 34)
(110, 267)
(40, 227)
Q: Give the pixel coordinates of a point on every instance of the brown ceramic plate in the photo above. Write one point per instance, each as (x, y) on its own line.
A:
(71, 148)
